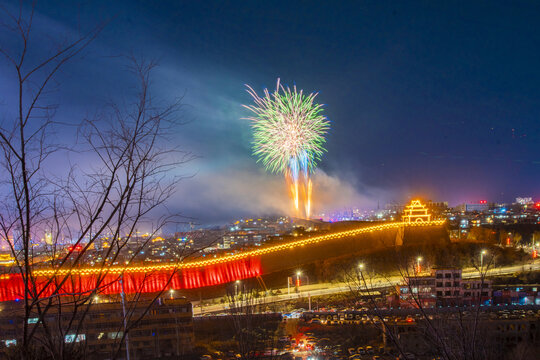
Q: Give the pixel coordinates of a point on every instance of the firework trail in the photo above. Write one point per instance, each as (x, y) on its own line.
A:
(288, 130)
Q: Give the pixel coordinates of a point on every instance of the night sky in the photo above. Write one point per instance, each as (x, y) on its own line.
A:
(432, 99)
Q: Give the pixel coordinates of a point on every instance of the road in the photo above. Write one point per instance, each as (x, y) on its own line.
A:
(374, 284)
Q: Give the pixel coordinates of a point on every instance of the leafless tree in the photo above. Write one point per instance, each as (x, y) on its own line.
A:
(451, 333)
(119, 175)
(256, 331)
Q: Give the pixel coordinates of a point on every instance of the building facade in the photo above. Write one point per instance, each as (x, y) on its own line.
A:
(157, 329)
(444, 287)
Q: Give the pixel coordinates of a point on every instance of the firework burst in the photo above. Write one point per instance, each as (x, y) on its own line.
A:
(288, 130)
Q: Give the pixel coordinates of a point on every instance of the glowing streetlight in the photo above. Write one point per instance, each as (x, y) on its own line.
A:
(418, 261)
(360, 269)
(361, 279)
(482, 253)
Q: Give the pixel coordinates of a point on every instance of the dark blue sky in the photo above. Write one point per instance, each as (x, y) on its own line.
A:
(425, 98)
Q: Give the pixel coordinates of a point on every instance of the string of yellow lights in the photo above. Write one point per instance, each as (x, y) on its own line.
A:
(239, 256)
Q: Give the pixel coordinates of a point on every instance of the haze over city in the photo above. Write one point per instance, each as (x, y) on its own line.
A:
(284, 180)
(431, 100)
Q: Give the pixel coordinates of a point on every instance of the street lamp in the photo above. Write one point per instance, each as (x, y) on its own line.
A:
(418, 260)
(298, 273)
(360, 268)
(236, 283)
(482, 253)
(361, 279)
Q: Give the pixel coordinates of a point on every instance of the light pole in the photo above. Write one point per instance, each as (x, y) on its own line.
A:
(418, 261)
(298, 273)
(482, 253)
(123, 297)
(237, 282)
(288, 285)
(360, 268)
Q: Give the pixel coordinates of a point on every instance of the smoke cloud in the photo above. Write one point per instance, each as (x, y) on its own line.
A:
(230, 194)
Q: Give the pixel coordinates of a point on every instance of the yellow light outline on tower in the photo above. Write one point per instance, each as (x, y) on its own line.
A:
(415, 212)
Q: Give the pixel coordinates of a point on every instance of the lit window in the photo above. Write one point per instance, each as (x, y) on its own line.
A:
(115, 335)
(70, 338)
(10, 342)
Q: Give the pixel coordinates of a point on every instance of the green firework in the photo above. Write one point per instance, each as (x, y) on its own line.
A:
(288, 128)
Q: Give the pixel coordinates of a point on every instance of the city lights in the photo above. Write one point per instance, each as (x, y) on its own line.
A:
(242, 255)
(374, 155)
(229, 267)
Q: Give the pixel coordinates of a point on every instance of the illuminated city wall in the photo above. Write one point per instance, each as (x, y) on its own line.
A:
(219, 270)
(358, 244)
(151, 281)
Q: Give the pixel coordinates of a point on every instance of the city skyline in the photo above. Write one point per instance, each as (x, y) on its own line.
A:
(269, 181)
(423, 100)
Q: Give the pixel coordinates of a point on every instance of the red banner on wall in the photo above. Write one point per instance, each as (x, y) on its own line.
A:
(12, 285)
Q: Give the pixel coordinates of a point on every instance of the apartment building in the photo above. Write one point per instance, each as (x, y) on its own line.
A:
(444, 287)
(157, 329)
